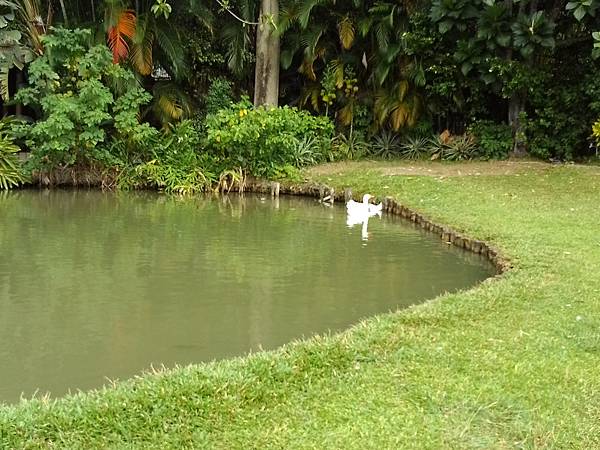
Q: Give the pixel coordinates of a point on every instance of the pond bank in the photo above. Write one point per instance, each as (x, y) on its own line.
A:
(510, 363)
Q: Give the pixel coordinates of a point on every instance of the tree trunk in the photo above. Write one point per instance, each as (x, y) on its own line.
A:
(516, 106)
(266, 76)
(64, 13)
(18, 85)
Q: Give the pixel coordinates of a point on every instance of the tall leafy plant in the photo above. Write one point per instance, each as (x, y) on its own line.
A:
(11, 171)
(328, 39)
(81, 97)
(497, 44)
(264, 140)
(14, 51)
(146, 40)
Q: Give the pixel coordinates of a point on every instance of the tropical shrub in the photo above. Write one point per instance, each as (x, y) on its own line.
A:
(563, 103)
(494, 141)
(351, 146)
(307, 151)
(436, 146)
(11, 172)
(261, 140)
(415, 148)
(174, 164)
(385, 145)
(219, 96)
(14, 53)
(460, 148)
(81, 98)
(557, 129)
(446, 147)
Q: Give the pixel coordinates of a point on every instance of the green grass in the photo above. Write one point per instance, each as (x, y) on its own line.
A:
(512, 363)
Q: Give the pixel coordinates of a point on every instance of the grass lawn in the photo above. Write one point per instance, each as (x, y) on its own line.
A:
(512, 363)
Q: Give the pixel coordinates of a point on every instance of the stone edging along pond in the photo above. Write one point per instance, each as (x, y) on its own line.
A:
(390, 206)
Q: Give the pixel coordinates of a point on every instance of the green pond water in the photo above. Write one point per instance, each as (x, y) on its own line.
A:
(97, 286)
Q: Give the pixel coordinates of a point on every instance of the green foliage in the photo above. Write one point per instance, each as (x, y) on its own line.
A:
(415, 148)
(81, 97)
(533, 33)
(13, 51)
(262, 140)
(329, 82)
(385, 145)
(206, 56)
(128, 128)
(170, 103)
(596, 132)
(582, 8)
(11, 171)
(161, 7)
(348, 147)
(423, 128)
(460, 148)
(370, 66)
(289, 173)
(174, 165)
(494, 140)
(453, 148)
(558, 125)
(307, 151)
(219, 96)
(435, 147)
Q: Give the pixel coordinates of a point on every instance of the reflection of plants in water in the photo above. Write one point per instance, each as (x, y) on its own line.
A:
(127, 238)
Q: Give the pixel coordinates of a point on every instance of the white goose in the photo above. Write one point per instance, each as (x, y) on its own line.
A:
(359, 214)
(364, 209)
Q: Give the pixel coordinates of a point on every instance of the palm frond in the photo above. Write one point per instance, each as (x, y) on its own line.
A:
(11, 174)
(397, 105)
(170, 104)
(34, 24)
(238, 43)
(382, 35)
(141, 48)
(311, 93)
(288, 16)
(119, 33)
(170, 44)
(346, 32)
(345, 115)
(338, 66)
(305, 10)
(202, 13)
(310, 38)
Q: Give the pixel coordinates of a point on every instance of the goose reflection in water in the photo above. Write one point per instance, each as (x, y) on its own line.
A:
(362, 220)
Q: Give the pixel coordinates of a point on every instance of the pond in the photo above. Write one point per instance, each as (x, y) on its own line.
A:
(97, 286)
